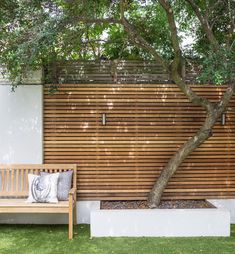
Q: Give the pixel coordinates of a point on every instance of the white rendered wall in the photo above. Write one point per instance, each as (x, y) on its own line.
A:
(21, 124)
(160, 222)
(228, 204)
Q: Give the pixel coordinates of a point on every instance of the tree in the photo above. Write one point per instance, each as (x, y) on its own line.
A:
(67, 29)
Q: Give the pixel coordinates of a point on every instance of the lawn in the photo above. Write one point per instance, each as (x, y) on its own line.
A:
(28, 239)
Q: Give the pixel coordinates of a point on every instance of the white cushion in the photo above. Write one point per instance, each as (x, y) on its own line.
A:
(43, 189)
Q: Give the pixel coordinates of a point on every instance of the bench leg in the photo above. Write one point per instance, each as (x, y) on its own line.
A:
(70, 223)
(75, 215)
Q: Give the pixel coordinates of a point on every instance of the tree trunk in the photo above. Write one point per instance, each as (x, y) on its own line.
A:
(214, 111)
(188, 147)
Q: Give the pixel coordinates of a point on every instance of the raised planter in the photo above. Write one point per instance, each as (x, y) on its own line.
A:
(160, 222)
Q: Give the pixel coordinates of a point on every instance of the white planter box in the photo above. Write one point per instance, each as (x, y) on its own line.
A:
(160, 222)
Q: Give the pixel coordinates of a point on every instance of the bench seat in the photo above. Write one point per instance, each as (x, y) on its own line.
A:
(21, 206)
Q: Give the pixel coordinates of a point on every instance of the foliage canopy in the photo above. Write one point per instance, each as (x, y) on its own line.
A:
(36, 32)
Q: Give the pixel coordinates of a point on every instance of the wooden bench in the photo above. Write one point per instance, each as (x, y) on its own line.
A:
(14, 191)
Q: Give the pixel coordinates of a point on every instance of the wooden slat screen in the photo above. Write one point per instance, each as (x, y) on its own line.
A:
(146, 123)
(116, 71)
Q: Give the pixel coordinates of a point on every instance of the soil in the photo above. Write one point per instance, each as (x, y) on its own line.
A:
(174, 204)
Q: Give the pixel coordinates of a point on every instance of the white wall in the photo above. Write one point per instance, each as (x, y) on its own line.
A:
(160, 222)
(21, 124)
(228, 204)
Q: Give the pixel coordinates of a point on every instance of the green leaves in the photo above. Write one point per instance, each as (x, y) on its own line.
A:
(37, 32)
(218, 67)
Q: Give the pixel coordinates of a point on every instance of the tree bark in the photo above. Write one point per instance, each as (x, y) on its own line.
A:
(200, 137)
(188, 147)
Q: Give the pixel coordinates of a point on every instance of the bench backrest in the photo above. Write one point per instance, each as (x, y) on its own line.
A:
(14, 177)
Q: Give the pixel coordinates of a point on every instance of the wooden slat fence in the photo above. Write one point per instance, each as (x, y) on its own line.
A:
(146, 123)
(111, 72)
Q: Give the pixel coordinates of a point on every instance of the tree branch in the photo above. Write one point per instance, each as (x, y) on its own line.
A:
(134, 36)
(171, 20)
(177, 62)
(221, 106)
(138, 40)
(205, 25)
(232, 25)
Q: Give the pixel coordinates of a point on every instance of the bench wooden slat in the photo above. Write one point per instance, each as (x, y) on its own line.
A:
(22, 202)
(26, 183)
(17, 179)
(22, 180)
(7, 180)
(2, 180)
(12, 185)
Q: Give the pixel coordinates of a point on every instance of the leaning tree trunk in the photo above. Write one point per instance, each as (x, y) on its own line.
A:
(188, 147)
(184, 151)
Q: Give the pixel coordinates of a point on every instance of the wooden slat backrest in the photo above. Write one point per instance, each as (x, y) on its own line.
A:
(14, 177)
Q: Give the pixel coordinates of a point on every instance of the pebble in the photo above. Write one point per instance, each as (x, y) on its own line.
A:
(173, 204)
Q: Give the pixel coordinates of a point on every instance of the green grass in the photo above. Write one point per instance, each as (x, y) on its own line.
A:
(53, 239)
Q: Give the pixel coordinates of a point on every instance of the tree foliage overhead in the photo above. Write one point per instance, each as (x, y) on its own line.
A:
(36, 32)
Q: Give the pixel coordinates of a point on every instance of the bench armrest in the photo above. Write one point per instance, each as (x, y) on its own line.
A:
(72, 191)
(73, 195)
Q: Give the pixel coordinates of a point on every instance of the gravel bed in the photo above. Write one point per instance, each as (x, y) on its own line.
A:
(175, 204)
